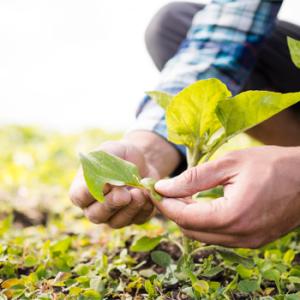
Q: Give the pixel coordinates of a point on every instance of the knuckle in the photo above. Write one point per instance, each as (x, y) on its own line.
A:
(180, 220)
(138, 198)
(116, 201)
(147, 209)
(73, 197)
(115, 225)
(190, 176)
(90, 214)
(144, 216)
(140, 221)
(220, 216)
(77, 198)
(140, 203)
(227, 160)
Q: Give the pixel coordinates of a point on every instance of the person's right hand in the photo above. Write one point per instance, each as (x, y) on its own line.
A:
(123, 206)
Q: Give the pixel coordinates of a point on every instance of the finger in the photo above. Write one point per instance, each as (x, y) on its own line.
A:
(79, 193)
(147, 212)
(213, 238)
(114, 201)
(126, 215)
(199, 215)
(128, 152)
(196, 179)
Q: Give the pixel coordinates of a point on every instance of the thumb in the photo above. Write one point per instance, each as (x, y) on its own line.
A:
(196, 179)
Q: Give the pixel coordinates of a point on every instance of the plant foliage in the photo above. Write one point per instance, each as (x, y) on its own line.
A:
(294, 47)
(48, 250)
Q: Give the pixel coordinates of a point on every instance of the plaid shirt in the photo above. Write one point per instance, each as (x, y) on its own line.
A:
(222, 42)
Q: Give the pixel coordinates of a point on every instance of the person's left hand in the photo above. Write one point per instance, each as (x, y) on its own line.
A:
(261, 197)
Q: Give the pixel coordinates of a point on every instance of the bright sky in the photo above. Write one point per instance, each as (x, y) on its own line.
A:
(72, 64)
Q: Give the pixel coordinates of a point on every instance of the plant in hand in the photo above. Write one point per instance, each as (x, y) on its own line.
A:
(201, 117)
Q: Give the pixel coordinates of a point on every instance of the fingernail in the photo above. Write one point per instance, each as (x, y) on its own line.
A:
(163, 184)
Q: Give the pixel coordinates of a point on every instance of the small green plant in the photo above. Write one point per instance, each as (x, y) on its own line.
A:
(201, 117)
(68, 258)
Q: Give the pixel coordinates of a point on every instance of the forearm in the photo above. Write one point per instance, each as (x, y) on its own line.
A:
(158, 153)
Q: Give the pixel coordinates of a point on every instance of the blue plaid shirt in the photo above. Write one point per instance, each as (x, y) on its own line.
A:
(223, 43)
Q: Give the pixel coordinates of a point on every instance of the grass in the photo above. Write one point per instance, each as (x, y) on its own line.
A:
(48, 250)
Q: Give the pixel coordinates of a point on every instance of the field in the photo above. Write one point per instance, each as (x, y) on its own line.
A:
(48, 250)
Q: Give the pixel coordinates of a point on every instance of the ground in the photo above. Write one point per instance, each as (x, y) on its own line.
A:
(48, 250)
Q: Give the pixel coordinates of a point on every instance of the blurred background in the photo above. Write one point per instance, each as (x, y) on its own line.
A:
(72, 73)
(73, 64)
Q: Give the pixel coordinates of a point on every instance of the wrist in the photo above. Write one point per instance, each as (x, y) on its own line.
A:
(158, 152)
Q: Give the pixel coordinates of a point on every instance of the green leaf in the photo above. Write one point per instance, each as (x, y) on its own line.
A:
(145, 244)
(161, 258)
(294, 279)
(5, 225)
(248, 285)
(61, 246)
(30, 261)
(234, 258)
(91, 295)
(272, 274)
(201, 286)
(248, 109)
(289, 256)
(190, 117)
(100, 168)
(212, 272)
(294, 47)
(82, 269)
(161, 98)
(295, 271)
(244, 272)
(149, 184)
(150, 289)
(295, 296)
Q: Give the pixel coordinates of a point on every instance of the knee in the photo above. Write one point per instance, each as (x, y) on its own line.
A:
(160, 23)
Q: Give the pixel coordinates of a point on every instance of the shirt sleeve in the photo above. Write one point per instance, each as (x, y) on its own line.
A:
(223, 42)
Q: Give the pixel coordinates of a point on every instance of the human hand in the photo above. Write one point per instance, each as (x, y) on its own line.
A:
(122, 206)
(261, 197)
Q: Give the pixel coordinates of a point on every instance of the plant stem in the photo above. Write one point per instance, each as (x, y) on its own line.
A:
(148, 184)
(220, 142)
(193, 157)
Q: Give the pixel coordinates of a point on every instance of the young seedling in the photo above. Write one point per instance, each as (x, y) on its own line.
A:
(202, 117)
(100, 168)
